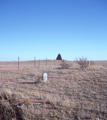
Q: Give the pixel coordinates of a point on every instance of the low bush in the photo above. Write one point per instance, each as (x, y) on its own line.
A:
(8, 109)
(83, 62)
(64, 66)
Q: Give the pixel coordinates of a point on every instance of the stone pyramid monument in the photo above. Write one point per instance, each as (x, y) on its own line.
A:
(59, 57)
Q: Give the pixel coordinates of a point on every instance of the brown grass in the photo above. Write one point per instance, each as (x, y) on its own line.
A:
(68, 93)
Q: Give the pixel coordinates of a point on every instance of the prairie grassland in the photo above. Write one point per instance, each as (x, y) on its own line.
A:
(69, 94)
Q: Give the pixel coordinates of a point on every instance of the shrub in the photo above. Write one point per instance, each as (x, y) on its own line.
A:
(6, 111)
(5, 94)
(82, 62)
(64, 66)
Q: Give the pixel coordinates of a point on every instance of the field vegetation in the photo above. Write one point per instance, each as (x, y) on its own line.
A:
(72, 92)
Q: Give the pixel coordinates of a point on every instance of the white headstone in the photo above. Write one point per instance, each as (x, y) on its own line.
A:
(45, 76)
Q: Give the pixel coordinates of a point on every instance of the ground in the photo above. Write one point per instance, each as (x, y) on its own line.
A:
(68, 94)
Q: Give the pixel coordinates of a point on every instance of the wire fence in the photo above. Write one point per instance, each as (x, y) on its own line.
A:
(30, 63)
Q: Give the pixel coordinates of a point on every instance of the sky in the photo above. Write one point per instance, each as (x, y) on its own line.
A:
(45, 28)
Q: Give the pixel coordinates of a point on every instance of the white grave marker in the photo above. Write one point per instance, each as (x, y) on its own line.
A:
(44, 76)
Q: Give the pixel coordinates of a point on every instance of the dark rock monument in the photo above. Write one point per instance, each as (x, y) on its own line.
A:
(59, 57)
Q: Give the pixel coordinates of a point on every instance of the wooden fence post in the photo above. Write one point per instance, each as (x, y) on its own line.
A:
(54, 62)
(46, 61)
(39, 62)
(18, 63)
(34, 61)
(89, 63)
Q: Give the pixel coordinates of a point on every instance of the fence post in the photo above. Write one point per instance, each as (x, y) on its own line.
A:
(46, 61)
(18, 63)
(89, 63)
(54, 62)
(39, 62)
(34, 61)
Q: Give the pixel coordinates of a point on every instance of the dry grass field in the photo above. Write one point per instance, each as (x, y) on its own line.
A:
(69, 94)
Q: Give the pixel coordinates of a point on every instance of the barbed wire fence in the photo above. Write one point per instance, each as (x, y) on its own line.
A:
(18, 64)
